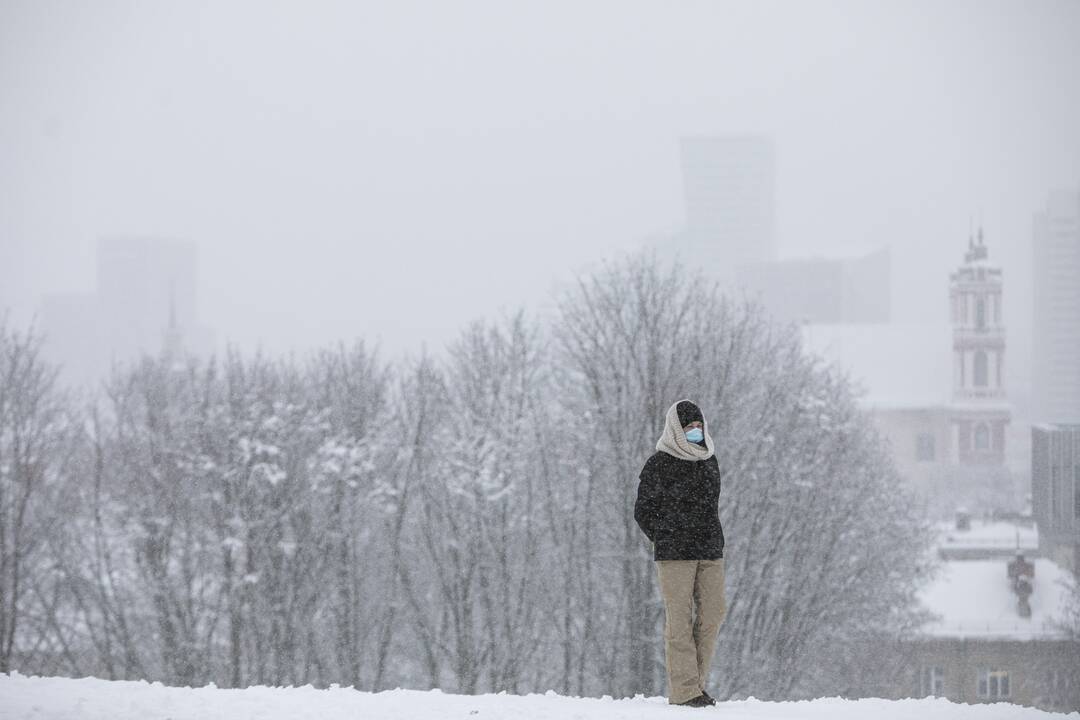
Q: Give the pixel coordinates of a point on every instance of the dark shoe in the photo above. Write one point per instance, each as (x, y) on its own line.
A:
(698, 701)
(708, 697)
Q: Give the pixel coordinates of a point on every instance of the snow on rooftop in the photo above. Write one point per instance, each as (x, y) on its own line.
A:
(974, 599)
(94, 699)
(899, 364)
(1057, 426)
(988, 534)
(982, 405)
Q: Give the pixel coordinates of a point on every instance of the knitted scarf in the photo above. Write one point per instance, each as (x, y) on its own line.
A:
(673, 440)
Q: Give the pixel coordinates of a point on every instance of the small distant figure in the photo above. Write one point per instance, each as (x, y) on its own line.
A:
(677, 509)
(1021, 573)
(963, 519)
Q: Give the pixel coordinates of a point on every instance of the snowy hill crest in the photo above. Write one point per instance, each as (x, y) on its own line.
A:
(51, 698)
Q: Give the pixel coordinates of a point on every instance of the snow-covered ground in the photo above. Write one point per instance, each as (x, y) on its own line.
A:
(32, 698)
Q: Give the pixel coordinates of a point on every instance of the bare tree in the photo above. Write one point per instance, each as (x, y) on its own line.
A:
(822, 538)
(477, 528)
(467, 519)
(350, 387)
(420, 410)
(34, 429)
(627, 339)
(1056, 679)
(496, 377)
(89, 601)
(154, 460)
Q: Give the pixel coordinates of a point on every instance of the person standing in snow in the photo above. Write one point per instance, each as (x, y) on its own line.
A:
(677, 509)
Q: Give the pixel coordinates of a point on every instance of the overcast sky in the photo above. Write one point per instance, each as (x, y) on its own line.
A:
(394, 170)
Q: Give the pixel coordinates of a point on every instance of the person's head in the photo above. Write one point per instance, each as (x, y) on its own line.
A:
(692, 421)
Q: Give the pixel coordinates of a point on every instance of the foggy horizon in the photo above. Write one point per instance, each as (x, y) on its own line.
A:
(393, 173)
(276, 441)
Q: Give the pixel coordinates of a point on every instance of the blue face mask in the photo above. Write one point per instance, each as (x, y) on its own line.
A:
(695, 435)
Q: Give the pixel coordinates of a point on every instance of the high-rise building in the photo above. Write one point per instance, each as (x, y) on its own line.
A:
(1055, 490)
(728, 184)
(10, 269)
(1056, 305)
(142, 282)
(145, 303)
(822, 290)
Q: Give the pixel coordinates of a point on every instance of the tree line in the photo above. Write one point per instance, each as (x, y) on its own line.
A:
(462, 521)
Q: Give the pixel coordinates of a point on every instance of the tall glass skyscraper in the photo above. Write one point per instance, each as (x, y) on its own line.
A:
(1056, 304)
(728, 184)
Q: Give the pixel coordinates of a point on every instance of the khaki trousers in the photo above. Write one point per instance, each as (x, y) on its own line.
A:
(689, 636)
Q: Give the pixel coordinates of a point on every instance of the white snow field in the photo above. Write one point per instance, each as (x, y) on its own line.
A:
(50, 698)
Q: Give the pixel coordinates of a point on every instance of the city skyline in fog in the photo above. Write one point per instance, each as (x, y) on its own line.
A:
(392, 173)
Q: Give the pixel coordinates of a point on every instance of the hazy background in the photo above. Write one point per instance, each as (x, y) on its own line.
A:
(392, 171)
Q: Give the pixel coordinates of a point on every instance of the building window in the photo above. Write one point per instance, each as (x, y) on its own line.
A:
(980, 314)
(1055, 493)
(993, 684)
(1076, 492)
(980, 368)
(924, 447)
(982, 437)
(1058, 681)
(932, 681)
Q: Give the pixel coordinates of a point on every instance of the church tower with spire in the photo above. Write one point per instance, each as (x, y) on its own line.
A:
(979, 408)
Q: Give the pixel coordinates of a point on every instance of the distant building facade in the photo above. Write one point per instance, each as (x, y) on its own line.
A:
(936, 392)
(822, 290)
(1055, 490)
(729, 190)
(145, 303)
(141, 283)
(996, 636)
(1056, 308)
(995, 628)
(10, 263)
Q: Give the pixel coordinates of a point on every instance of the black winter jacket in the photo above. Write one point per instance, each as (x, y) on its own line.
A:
(677, 507)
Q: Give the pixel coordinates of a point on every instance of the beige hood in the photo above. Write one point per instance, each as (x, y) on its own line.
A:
(673, 440)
